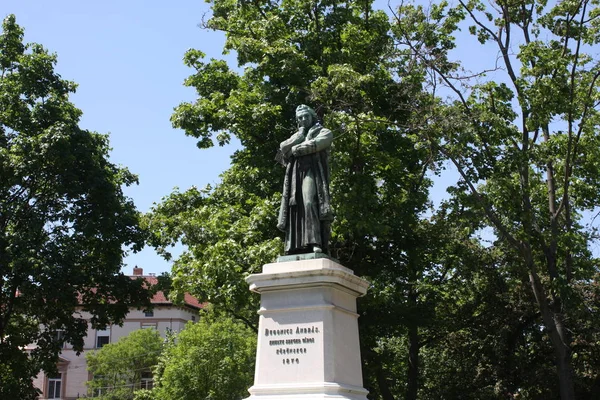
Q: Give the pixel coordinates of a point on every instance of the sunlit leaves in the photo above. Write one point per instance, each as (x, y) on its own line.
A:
(117, 368)
(65, 223)
(212, 359)
(523, 140)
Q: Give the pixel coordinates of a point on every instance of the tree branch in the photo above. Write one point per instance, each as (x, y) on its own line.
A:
(486, 206)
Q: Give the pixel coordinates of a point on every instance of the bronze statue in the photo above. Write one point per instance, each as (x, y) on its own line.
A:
(305, 214)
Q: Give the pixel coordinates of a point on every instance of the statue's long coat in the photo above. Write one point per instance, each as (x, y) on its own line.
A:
(315, 145)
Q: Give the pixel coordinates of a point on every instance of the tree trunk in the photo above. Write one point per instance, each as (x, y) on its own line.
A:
(563, 360)
(382, 382)
(413, 363)
(559, 338)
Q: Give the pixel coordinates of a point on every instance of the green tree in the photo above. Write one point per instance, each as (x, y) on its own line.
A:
(523, 138)
(484, 341)
(340, 59)
(117, 368)
(64, 221)
(212, 359)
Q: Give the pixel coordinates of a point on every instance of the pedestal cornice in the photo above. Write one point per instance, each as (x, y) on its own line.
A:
(307, 273)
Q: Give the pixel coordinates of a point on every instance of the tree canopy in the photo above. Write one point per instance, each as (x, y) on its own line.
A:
(340, 59)
(64, 220)
(523, 137)
(117, 368)
(444, 311)
(211, 359)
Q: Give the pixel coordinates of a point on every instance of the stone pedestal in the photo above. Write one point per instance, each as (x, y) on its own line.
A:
(308, 344)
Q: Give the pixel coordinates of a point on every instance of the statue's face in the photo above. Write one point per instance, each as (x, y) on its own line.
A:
(304, 120)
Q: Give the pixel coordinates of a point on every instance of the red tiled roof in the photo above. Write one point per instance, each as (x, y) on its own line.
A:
(160, 298)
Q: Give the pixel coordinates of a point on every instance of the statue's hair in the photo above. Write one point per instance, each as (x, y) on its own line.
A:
(305, 108)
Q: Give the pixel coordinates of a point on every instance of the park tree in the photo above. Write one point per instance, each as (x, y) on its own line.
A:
(485, 340)
(523, 145)
(340, 59)
(436, 291)
(117, 368)
(64, 220)
(522, 133)
(211, 359)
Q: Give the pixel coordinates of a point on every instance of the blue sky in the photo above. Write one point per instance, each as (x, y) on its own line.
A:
(126, 57)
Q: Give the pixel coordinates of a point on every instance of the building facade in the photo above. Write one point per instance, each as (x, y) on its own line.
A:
(70, 382)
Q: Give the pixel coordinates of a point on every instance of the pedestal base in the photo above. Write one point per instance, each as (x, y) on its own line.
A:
(307, 392)
(308, 346)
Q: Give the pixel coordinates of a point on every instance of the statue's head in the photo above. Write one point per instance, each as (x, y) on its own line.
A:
(305, 116)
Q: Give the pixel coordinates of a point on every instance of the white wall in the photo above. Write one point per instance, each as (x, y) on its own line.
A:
(75, 372)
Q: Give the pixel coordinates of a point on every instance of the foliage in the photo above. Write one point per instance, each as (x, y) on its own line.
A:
(64, 220)
(339, 58)
(143, 395)
(523, 137)
(117, 368)
(212, 359)
(450, 313)
(202, 223)
(486, 341)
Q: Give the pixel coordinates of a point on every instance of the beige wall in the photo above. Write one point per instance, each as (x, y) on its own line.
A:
(75, 373)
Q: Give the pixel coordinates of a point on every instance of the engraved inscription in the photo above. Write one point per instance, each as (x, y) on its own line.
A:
(291, 345)
(312, 329)
(278, 332)
(291, 351)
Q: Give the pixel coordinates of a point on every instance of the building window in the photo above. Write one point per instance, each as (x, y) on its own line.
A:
(149, 313)
(54, 386)
(59, 335)
(102, 337)
(193, 318)
(147, 380)
(149, 325)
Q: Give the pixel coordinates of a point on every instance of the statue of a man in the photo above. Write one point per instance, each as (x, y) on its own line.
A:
(305, 214)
